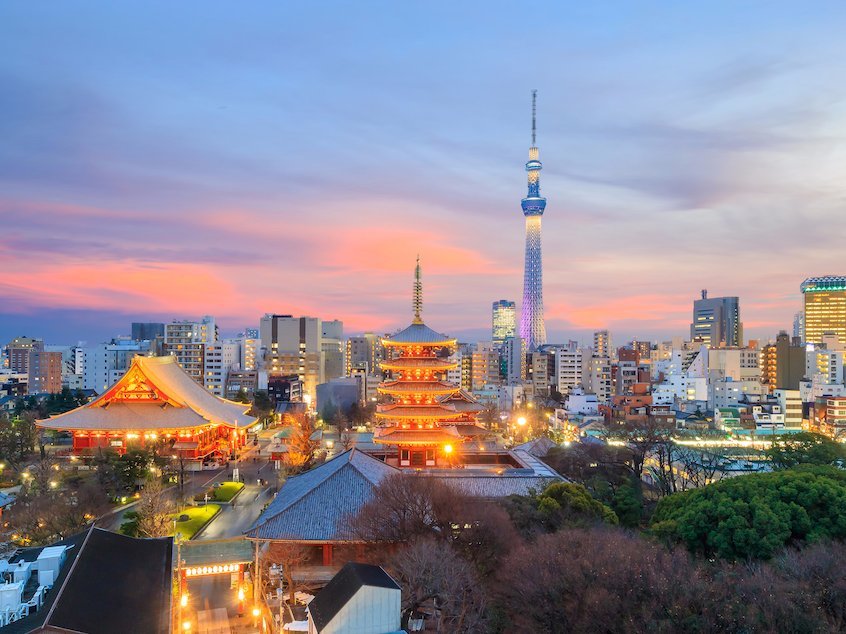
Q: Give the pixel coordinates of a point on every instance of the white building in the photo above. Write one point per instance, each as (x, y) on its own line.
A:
(220, 357)
(360, 599)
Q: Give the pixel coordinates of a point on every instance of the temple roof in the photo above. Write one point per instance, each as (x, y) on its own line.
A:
(154, 393)
(317, 505)
(461, 401)
(397, 436)
(399, 410)
(418, 334)
(428, 363)
(417, 387)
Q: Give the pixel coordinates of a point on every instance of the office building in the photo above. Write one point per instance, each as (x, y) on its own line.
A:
(44, 370)
(17, 354)
(825, 307)
(187, 340)
(503, 321)
(716, 321)
(306, 347)
(364, 352)
(147, 331)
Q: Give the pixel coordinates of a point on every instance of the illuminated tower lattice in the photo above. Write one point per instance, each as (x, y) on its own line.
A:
(532, 327)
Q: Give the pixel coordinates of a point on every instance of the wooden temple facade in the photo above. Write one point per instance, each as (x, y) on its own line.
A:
(156, 403)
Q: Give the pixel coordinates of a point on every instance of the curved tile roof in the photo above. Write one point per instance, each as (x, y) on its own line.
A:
(154, 393)
(316, 505)
(418, 333)
(405, 363)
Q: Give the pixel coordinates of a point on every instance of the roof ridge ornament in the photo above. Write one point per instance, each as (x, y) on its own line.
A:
(417, 302)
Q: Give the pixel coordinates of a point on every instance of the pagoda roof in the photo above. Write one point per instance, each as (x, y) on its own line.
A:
(400, 410)
(397, 436)
(417, 387)
(418, 334)
(424, 363)
(154, 393)
(461, 401)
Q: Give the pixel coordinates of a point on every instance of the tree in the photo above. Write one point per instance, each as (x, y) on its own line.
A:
(290, 557)
(560, 504)
(754, 516)
(409, 507)
(242, 396)
(154, 511)
(262, 406)
(18, 437)
(805, 448)
(301, 446)
(596, 580)
(433, 576)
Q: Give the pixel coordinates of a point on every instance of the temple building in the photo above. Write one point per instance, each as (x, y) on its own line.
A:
(423, 423)
(156, 399)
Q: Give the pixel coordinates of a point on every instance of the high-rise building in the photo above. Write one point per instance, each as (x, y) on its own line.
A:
(570, 366)
(187, 340)
(514, 353)
(532, 325)
(45, 371)
(783, 364)
(364, 352)
(602, 345)
(17, 354)
(147, 331)
(503, 321)
(799, 325)
(306, 347)
(102, 365)
(716, 321)
(484, 366)
(219, 358)
(825, 307)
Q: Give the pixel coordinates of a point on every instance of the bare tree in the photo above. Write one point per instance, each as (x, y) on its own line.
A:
(406, 506)
(290, 557)
(436, 580)
(597, 580)
(346, 439)
(155, 510)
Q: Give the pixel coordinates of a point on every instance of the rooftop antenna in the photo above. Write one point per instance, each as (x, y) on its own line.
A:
(534, 110)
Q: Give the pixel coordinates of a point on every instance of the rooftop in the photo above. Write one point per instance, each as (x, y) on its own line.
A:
(418, 334)
(154, 393)
(824, 283)
(315, 505)
(343, 587)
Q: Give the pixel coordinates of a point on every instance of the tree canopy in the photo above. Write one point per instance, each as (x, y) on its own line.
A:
(805, 448)
(754, 516)
(560, 505)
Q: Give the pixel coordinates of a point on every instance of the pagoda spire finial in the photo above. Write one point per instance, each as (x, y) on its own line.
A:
(417, 302)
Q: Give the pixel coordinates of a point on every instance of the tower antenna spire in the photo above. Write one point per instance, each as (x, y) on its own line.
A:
(417, 303)
(534, 111)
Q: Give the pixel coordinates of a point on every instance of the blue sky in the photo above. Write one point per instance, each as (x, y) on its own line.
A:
(170, 160)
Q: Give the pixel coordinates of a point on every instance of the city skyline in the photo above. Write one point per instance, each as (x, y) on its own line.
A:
(167, 179)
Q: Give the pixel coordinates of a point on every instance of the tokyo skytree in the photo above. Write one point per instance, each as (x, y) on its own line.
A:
(532, 327)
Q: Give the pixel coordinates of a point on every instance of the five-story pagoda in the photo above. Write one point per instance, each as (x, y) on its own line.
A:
(424, 409)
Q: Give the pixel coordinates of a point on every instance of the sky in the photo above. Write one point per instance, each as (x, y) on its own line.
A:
(164, 161)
